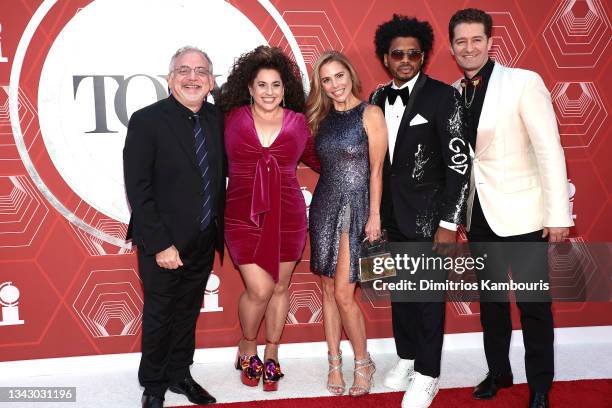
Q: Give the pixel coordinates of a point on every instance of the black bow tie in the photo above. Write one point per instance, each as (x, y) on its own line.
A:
(403, 93)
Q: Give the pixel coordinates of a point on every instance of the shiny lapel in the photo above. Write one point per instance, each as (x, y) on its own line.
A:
(380, 96)
(414, 94)
(379, 100)
(490, 110)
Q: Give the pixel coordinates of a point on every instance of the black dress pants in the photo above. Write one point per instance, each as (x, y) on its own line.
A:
(536, 316)
(172, 302)
(418, 327)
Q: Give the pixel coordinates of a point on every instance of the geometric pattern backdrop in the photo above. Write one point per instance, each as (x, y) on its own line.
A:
(67, 284)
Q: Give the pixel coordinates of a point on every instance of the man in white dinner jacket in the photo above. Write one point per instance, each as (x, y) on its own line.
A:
(518, 194)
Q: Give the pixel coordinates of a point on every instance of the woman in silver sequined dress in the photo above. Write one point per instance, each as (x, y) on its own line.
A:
(351, 142)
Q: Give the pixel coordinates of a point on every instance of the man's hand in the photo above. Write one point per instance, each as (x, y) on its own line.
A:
(555, 234)
(445, 237)
(169, 258)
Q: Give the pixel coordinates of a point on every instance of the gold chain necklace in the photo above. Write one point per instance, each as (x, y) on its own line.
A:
(475, 82)
(467, 104)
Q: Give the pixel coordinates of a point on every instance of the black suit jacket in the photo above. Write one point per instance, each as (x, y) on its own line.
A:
(163, 180)
(428, 180)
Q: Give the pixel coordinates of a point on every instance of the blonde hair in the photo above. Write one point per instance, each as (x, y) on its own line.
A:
(318, 103)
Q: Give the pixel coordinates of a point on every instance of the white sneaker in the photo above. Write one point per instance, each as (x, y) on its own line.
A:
(420, 392)
(397, 378)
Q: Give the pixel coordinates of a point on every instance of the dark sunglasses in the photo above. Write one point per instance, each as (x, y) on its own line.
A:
(413, 55)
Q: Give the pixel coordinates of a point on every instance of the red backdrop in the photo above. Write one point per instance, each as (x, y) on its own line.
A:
(80, 295)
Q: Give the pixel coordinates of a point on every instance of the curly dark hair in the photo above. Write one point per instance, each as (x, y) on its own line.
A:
(403, 26)
(235, 92)
(470, 15)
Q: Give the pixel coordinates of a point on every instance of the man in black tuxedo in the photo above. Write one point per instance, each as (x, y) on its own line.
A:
(174, 177)
(425, 187)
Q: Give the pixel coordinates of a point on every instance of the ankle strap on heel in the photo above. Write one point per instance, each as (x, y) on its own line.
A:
(276, 343)
(365, 362)
(336, 357)
(358, 389)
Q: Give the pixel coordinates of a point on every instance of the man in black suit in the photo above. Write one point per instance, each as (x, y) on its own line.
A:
(425, 187)
(174, 178)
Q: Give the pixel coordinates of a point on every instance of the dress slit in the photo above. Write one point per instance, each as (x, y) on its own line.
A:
(341, 196)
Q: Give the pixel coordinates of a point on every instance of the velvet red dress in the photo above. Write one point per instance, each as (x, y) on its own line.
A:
(265, 213)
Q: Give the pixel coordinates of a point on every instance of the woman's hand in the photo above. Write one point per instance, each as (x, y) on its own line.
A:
(372, 228)
(376, 128)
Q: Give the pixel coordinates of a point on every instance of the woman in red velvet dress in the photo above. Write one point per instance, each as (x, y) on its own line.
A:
(265, 215)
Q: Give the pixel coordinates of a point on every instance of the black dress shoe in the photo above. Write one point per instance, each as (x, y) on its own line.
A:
(150, 401)
(491, 384)
(538, 400)
(193, 391)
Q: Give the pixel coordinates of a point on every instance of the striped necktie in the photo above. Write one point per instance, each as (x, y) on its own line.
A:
(202, 160)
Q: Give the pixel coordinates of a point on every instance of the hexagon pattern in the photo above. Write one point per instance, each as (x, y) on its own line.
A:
(110, 303)
(94, 245)
(305, 305)
(578, 34)
(95, 297)
(22, 211)
(313, 31)
(580, 112)
(28, 122)
(508, 44)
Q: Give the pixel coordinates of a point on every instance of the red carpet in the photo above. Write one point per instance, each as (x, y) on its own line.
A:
(565, 394)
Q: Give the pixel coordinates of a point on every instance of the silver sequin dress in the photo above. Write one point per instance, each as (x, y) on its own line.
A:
(344, 185)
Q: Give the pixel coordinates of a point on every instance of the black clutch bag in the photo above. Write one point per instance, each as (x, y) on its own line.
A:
(375, 260)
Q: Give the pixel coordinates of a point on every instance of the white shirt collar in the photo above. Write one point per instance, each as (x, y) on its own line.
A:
(409, 84)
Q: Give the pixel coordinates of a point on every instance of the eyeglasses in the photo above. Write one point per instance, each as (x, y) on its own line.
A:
(413, 55)
(184, 70)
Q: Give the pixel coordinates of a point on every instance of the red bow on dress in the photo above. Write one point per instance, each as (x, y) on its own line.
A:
(265, 212)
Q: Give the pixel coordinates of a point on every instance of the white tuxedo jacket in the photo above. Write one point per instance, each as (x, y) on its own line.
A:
(518, 164)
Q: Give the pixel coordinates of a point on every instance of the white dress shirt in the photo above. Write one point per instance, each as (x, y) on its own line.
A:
(393, 117)
(394, 113)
